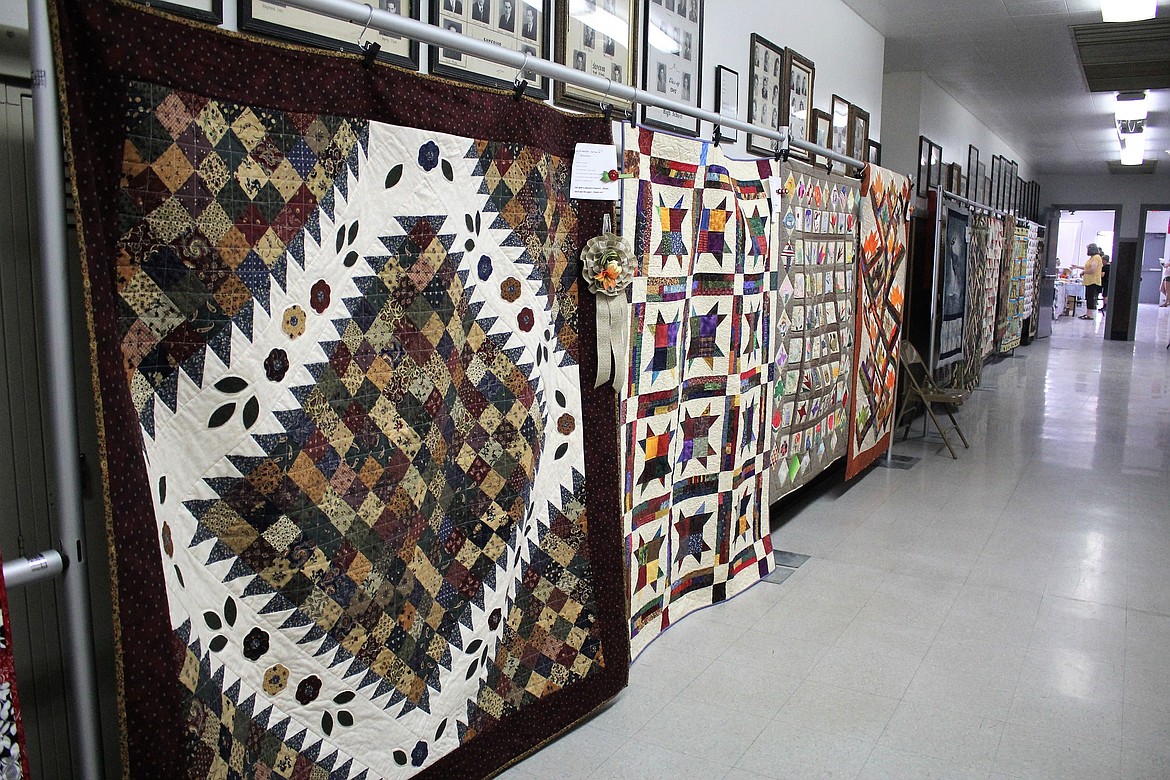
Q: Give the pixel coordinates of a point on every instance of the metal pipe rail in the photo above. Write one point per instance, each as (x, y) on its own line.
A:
(19, 572)
(384, 21)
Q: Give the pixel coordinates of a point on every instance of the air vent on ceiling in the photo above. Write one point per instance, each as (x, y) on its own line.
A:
(1127, 56)
(1149, 166)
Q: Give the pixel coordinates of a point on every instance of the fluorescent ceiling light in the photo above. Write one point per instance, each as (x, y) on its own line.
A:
(1128, 10)
(1133, 150)
(1131, 105)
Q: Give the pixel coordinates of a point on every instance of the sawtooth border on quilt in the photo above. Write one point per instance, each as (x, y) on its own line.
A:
(99, 47)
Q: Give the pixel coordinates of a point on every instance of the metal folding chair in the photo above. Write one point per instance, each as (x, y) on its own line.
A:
(921, 385)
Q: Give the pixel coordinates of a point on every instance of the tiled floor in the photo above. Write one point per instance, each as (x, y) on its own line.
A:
(1006, 615)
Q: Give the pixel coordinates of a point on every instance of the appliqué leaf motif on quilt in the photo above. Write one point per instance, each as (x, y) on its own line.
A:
(698, 387)
(352, 349)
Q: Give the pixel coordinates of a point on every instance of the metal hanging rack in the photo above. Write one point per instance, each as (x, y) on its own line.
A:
(70, 562)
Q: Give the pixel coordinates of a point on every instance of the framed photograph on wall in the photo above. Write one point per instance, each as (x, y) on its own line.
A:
(993, 196)
(971, 190)
(518, 25)
(598, 37)
(858, 136)
(796, 90)
(929, 165)
(765, 88)
(820, 132)
(839, 138)
(727, 100)
(954, 183)
(210, 11)
(875, 152)
(672, 60)
(293, 24)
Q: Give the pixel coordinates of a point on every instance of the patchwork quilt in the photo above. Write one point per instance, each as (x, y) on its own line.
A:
(1013, 274)
(967, 371)
(363, 515)
(991, 283)
(13, 754)
(696, 444)
(953, 257)
(815, 323)
(885, 201)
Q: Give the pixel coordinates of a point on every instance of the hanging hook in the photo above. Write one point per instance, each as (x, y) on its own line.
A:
(520, 84)
(604, 104)
(716, 137)
(369, 49)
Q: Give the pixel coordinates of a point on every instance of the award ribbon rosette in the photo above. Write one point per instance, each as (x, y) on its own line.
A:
(608, 267)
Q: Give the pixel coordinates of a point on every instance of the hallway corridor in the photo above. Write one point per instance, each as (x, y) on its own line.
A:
(1005, 615)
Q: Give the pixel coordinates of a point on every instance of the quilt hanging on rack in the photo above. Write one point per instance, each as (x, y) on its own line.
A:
(814, 325)
(991, 283)
(881, 287)
(954, 287)
(966, 372)
(13, 754)
(695, 439)
(1010, 319)
(1035, 275)
(364, 520)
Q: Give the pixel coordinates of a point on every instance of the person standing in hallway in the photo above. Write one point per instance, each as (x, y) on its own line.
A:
(1092, 279)
(1165, 282)
(1105, 261)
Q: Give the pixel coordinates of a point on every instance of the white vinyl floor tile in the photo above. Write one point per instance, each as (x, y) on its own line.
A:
(999, 617)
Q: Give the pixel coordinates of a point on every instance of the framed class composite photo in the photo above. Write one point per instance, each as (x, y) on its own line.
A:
(519, 25)
(727, 100)
(857, 141)
(672, 60)
(819, 131)
(294, 24)
(796, 90)
(839, 137)
(598, 37)
(764, 89)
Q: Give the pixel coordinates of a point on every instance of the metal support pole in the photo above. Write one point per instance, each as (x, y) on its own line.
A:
(83, 701)
(25, 571)
(384, 21)
(932, 359)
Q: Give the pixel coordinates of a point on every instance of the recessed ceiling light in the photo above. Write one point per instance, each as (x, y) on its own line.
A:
(1133, 150)
(1128, 10)
(1130, 106)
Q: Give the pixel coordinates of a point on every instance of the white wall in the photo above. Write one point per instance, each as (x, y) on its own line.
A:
(849, 54)
(915, 105)
(1129, 190)
(1072, 248)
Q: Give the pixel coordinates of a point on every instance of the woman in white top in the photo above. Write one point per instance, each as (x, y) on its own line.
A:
(1165, 282)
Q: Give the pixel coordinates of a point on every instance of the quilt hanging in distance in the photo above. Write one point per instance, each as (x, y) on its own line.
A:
(695, 442)
(954, 287)
(1010, 320)
(814, 325)
(881, 287)
(966, 372)
(991, 283)
(363, 517)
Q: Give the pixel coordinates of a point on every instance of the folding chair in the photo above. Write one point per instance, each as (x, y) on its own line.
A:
(922, 386)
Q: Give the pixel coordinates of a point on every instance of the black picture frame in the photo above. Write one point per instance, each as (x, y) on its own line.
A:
(459, 16)
(994, 199)
(765, 92)
(727, 99)
(875, 152)
(929, 166)
(210, 12)
(689, 72)
(857, 137)
(798, 80)
(569, 32)
(313, 29)
(973, 177)
(820, 130)
(839, 135)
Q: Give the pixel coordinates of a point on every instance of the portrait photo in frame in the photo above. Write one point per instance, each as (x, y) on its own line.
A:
(294, 24)
(820, 131)
(796, 89)
(858, 137)
(210, 11)
(973, 177)
(839, 136)
(764, 89)
(518, 25)
(727, 100)
(672, 60)
(598, 37)
(874, 152)
(929, 165)
(996, 169)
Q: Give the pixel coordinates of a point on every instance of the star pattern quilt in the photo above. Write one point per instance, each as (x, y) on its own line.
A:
(815, 324)
(991, 283)
(350, 466)
(881, 270)
(696, 444)
(13, 754)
